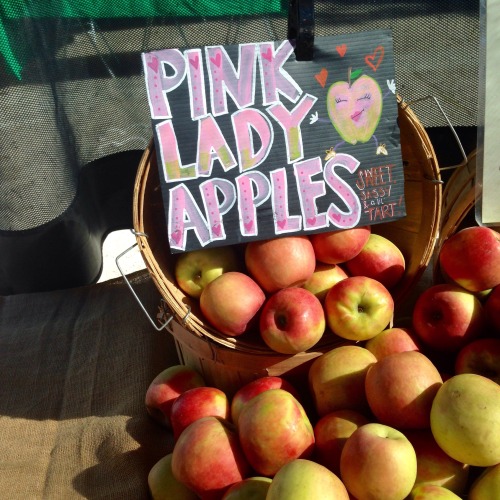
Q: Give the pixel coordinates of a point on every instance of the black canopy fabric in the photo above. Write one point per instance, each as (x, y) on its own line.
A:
(75, 117)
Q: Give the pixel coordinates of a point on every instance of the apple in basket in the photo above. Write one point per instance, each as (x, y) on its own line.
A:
(336, 247)
(400, 389)
(446, 317)
(230, 303)
(254, 387)
(471, 258)
(198, 403)
(358, 308)
(481, 356)
(393, 340)
(251, 488)
(427, 491)
(379, 259)
(465, 419)
(378, 462)
(323, 278)
(166, 387)
(292, 321)
(492, 309)
(208, 458)
(274, 429)
(336, 379)
(487, 485)
(280, 262)
(303, 478)
(195, 269)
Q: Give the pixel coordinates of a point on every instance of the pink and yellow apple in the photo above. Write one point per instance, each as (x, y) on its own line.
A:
(446, 317)
(323, 278)
(432, 492)
(163, 485)
(251, 389)
(336, 247)
(195, 269)
(331, 432)
(400, 389)
(481, 356)
(358, 308)
(207, 458)
(471, 258)
(274, 429)
(302, 478)
(230, 303)
(379, 259)
(280, 262)
(465, 419)
(292, 321)
(166, 387)
(378, 462)
(197, 403)
(487, 485)
(251, 488)
(355, 107)
(393, 340)
(336, 379)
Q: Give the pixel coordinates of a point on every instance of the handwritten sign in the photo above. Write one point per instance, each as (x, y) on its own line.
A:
(252, 144)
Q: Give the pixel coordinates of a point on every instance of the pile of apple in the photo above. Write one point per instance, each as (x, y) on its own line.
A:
(403, 413)
(291, 289)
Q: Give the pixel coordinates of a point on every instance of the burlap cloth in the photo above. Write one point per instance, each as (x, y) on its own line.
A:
(75, 365)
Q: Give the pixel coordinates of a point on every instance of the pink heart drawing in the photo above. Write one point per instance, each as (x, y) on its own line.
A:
(282, 224)
(337, 217)
(176, 236)
(268, 55)
(374, 60)
(216, 229)
(248, 225)
(311, 221)
(153, 64)
(217, 60)
(194, 61)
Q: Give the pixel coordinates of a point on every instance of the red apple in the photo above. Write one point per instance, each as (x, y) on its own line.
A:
(198, 403)
(231, 302)
(337, 379)
(274, 429)
(305, 479)
(378, 462)
(492, 309)
(331, 432)
(208, 458)
(471, 258)
(335, 247)
(292, 321)
(280, 262)
(358, 308)
(481, 356)
(446, 317)
(434, 466)
(251, 389)
(379, 259)
(400, 389)
(195, 269)
(166, 387)
(323, 278)
(392, 340)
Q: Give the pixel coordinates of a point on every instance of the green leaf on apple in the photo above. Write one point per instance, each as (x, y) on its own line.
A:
(356, 73)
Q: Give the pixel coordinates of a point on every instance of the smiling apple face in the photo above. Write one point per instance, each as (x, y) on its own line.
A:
(355, 108)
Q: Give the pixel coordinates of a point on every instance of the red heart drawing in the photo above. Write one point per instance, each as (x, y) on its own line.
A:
(248, 225)
(322, 76)
(153, 64)
(195, 62)
(282, 224)
(374, 60)
(341, 49)
(217, 59)
(268, 55)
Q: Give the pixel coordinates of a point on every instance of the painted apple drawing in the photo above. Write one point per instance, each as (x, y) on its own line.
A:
(355, 108)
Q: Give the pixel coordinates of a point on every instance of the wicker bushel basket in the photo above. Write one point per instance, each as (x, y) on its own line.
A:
(228, 362)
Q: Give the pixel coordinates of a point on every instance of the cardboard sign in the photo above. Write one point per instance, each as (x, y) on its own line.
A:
(252, 144)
